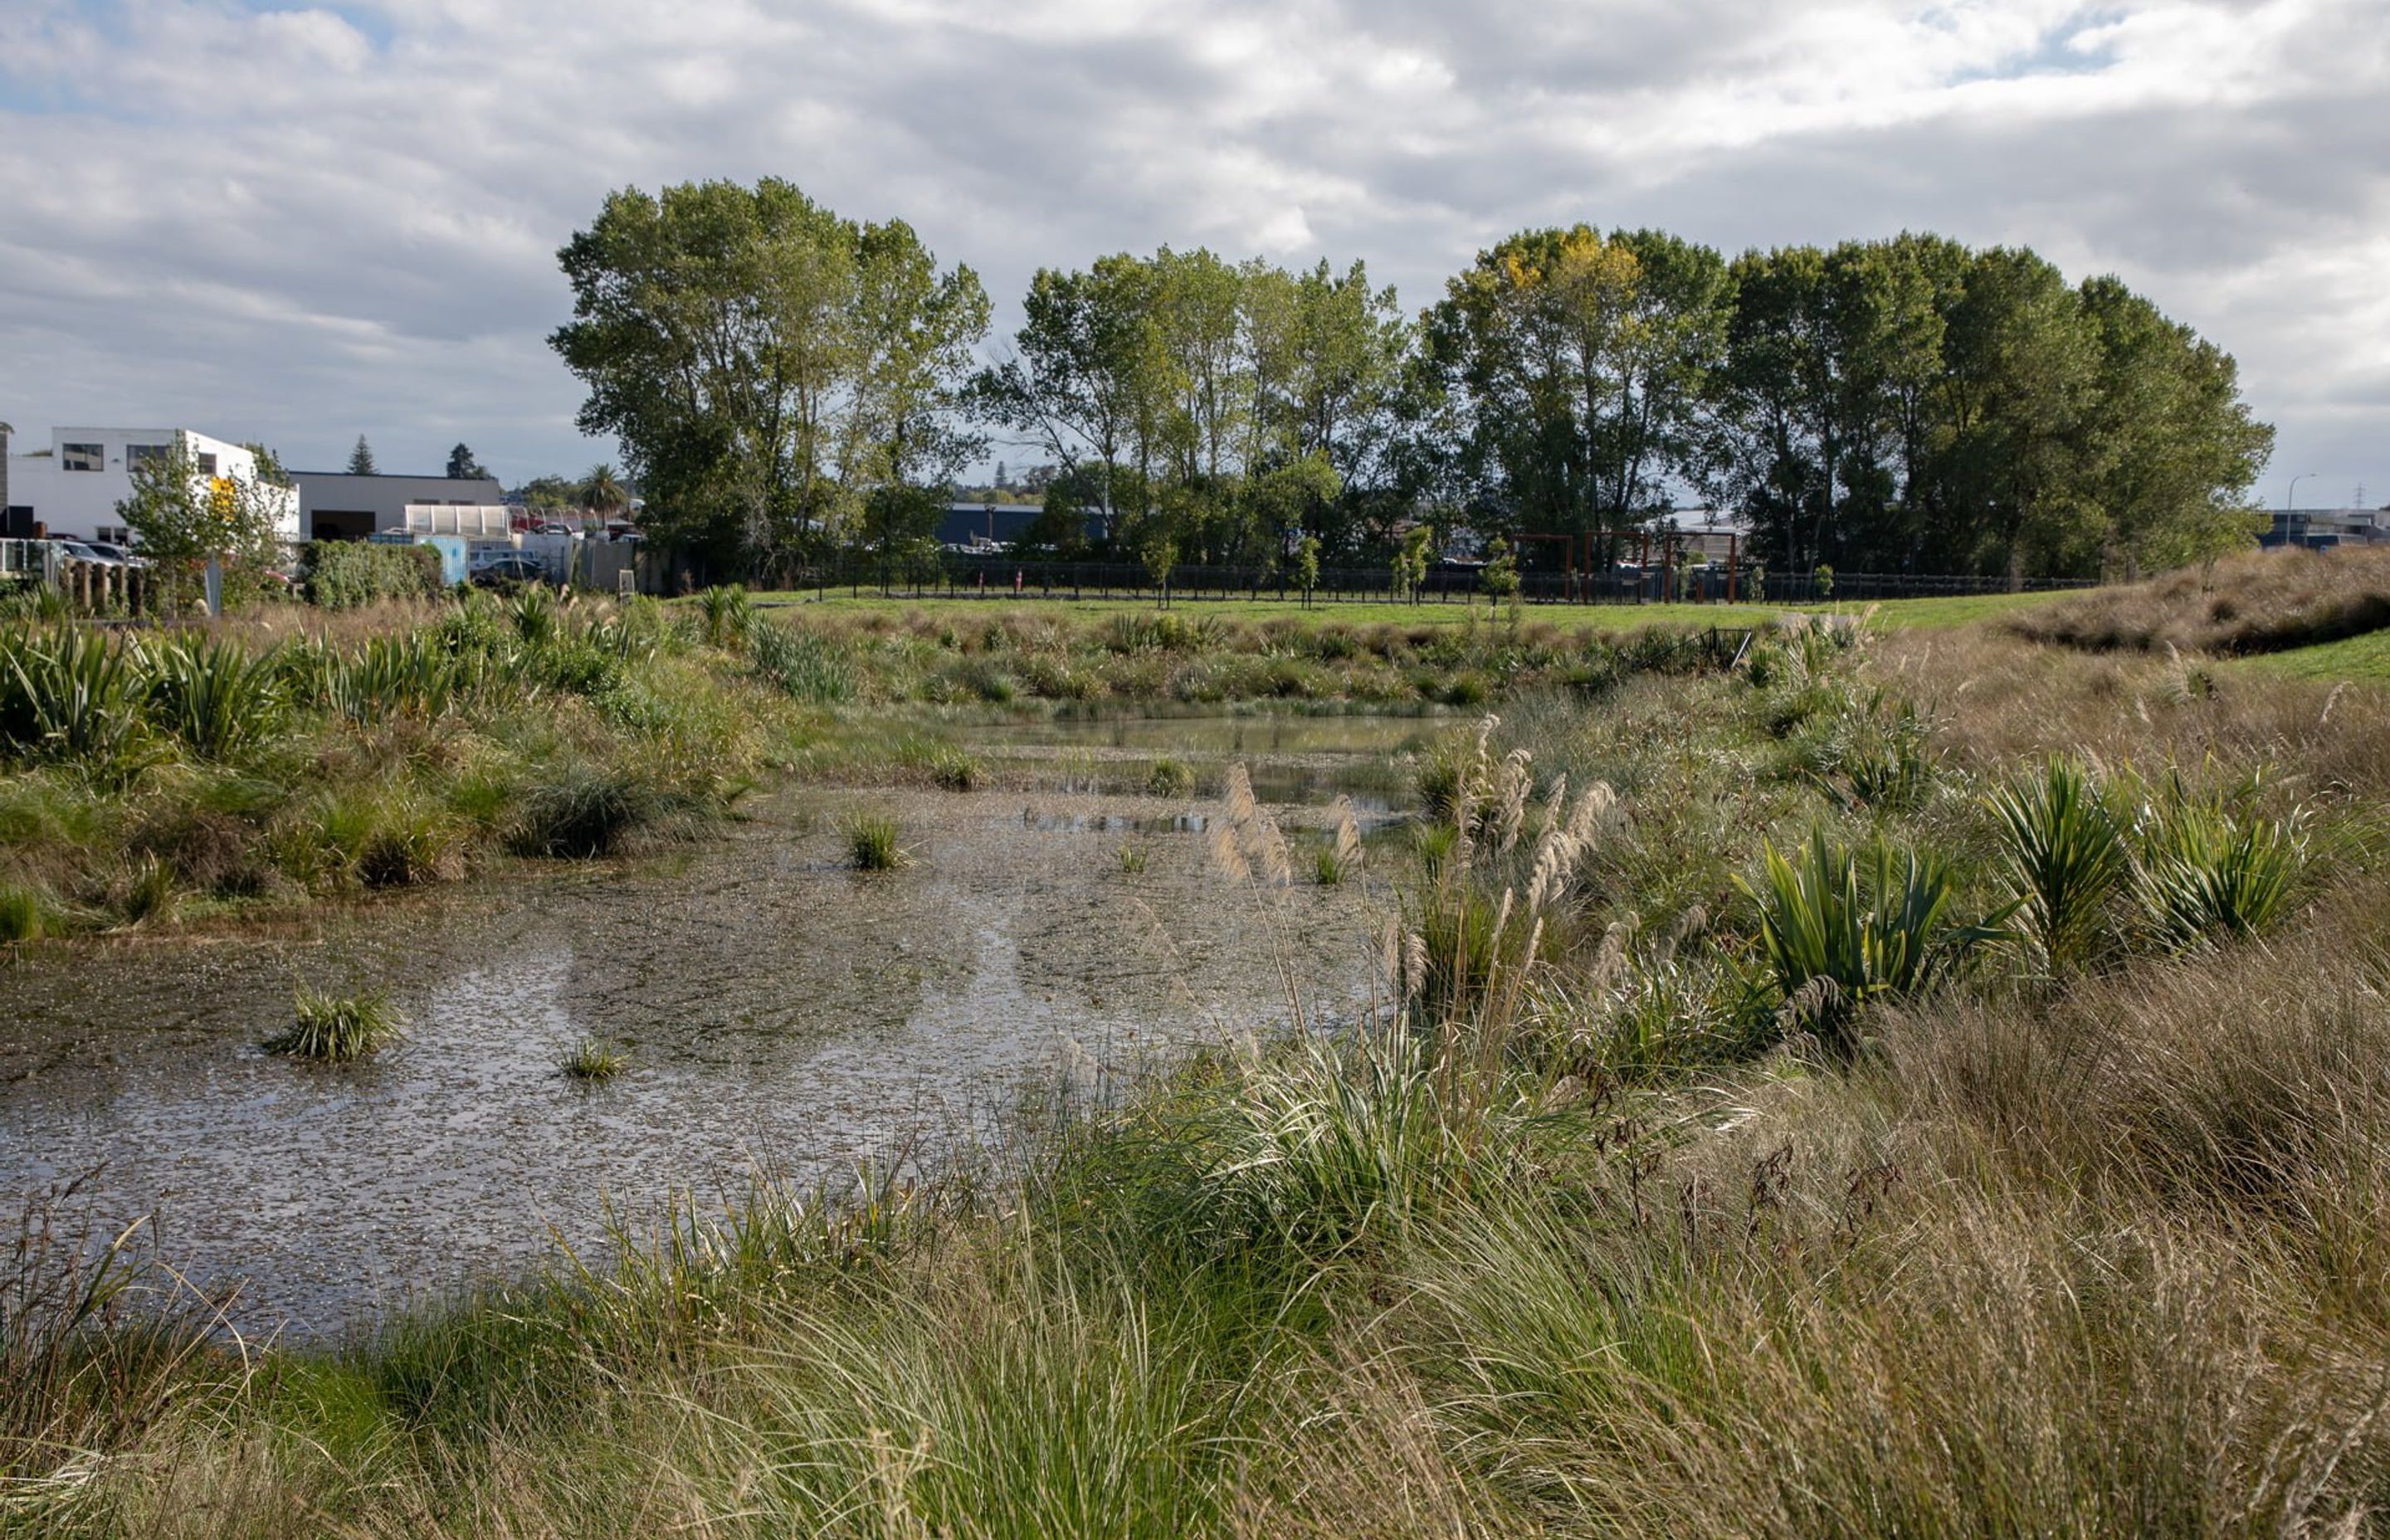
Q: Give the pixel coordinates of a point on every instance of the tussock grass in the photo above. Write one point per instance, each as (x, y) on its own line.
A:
(594, 1063)
(335, 1028)
(2266, 601)
(873, 843)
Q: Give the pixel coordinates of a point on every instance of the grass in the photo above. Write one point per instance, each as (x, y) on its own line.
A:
(592, 1062)
(1926, 614)
(2067, 1212)
(2266, 601)
(2364, 659)
(335, 1028)
(292, 752)
(872, 843)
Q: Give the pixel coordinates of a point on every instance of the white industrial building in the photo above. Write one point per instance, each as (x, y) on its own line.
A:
(72, 488)
(334, 504)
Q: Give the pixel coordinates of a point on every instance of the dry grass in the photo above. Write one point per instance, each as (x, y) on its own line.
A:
(2103, 1254)
(2266, 601)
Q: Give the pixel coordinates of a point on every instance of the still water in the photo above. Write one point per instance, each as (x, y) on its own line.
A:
(781, 1015)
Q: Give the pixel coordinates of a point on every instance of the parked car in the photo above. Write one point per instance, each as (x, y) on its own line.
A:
(110, 551)
(509, 569)
(554, 528)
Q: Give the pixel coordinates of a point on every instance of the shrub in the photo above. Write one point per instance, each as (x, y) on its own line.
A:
(2064, 855)
(724, 616)
(587, 812)
(1839, 927)
(215, 696)
(73, 693)
(347, 575)
(335, 1028)
(2206, 870)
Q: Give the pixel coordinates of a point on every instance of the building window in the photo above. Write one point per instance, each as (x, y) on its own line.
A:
(82, 457)
(207, 465)
(138, 455)
(115, 534)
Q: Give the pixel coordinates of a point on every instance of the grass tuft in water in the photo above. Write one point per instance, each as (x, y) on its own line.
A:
(1133, 859)
(872, 843)
(337, 1028)
(1169, 777)
(592, 1062)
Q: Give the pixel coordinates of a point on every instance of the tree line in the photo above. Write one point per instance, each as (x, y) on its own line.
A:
(787, 383)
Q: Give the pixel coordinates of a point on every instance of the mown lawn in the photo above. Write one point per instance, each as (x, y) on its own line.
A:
(1899, 614)
(2365, 657)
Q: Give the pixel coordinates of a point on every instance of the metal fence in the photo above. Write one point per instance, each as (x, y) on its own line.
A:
(965, 576)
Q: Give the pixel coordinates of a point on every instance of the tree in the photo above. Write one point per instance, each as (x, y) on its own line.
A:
(602, 493)
(462, 467)
(550, 491)
(1410, 561)
(1306, 567)
(361, 460)
(1086, 378)
(1577, 363)
(182, 520)
(1160, 554)
(2184, 450)
(766, 364)
(1501, 578)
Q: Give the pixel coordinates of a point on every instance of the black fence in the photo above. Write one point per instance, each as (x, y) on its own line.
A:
(965, 576)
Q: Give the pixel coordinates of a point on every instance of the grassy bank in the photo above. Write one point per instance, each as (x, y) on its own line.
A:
(151, 777)
(1927, 1084)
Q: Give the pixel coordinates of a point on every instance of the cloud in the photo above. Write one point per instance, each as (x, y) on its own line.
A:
(298, 223)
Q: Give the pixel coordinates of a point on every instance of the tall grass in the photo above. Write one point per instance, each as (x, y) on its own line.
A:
(810, 667)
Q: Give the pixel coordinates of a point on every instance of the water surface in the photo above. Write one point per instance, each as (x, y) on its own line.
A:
(781, 1014)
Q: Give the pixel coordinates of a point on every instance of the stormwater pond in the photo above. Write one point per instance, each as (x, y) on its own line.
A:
(780, 1015)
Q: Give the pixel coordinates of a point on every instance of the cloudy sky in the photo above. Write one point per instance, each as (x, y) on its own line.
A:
(296, 223)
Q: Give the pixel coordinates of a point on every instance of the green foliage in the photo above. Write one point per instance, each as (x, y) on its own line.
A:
(755, 445)
(361, 459)
(346, 574)
(808, 665)
(1134, 859)
(213, 696)
(2065, 857)
(1169, 777)
(727, 615)
(873, 843)
(581, 811)
(1839, 927)
(72, 692)
(21, 914)
(182, 518)
(2208, 867)
(335, 1028)
(594, 1063)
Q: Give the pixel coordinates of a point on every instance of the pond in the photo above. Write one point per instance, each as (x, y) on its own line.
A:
(781, 1014)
